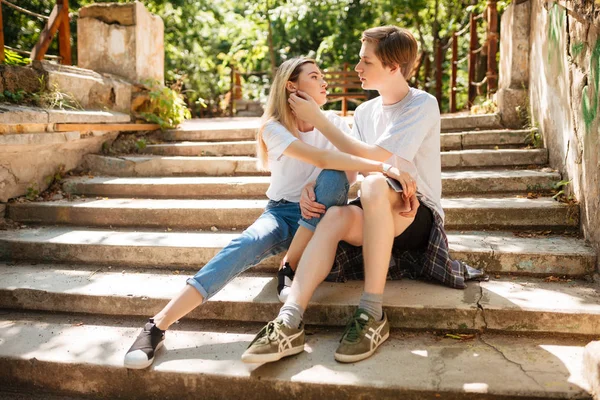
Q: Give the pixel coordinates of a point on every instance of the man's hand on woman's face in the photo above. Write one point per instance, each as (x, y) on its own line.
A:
(304, 106)
(308, 206)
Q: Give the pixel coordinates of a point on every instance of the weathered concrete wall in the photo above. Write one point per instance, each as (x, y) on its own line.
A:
(26, 160)
(121, 39)
(564, 98)
(514, 62)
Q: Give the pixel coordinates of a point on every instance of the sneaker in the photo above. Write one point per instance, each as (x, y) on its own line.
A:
(362, 337)
(285, 276)
(149, 341)
(273, 342)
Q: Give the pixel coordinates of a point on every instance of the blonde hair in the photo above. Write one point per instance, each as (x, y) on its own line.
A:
(395, 46)
(277, 109)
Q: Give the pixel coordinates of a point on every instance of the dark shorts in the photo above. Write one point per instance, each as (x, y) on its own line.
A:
(407, 255)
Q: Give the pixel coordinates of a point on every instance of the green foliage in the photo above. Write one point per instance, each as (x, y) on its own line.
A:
(12, 58)
(205, 39)
(534, 138)
(166, 108)
(560, 187)
(33, 191)
(140, 144)
(13, 97)
(487, 106)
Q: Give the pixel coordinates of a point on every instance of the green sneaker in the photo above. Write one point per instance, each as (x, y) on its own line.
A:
(274, 342)
(362, 337)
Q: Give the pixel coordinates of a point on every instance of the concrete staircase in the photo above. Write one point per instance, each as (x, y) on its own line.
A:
(79, 277)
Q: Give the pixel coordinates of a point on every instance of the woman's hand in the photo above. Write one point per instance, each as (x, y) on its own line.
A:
(304, 106)
(309, 208)
(409, 185)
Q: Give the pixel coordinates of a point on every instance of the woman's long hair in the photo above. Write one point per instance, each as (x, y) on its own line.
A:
(277, 108)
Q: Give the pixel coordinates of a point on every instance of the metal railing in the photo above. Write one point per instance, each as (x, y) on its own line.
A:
(56, 22)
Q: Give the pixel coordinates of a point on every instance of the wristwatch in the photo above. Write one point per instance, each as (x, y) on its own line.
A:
(385, 168)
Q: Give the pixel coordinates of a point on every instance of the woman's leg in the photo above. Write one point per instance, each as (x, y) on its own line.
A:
(270, 234)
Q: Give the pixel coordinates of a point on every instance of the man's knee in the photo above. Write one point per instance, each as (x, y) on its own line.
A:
(374, 188)
(332, 188)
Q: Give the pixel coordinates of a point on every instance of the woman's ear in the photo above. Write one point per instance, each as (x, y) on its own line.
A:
(291, 86)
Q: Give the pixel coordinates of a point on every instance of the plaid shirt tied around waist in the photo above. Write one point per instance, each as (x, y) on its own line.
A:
(432, 264)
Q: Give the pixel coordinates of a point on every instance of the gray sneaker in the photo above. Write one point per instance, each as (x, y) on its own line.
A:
(273, 342)
(362, 337)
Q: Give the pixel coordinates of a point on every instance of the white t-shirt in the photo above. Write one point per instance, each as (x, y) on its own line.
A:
(289, 175)
(410, 129)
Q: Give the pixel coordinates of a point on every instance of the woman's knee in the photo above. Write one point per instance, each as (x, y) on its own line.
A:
(332, 188)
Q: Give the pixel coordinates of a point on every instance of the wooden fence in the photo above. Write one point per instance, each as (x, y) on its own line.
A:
(56, 22)
(489, 47)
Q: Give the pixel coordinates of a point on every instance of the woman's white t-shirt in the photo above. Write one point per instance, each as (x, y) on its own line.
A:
(289, 175)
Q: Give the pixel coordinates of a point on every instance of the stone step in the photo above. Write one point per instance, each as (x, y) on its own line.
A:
(453, 183)
(232, 129)
(495, 252)
(449, 141)
(461, 213)
(17, 118)
(465, 121)
(506, 304)
(151, 165)
(80, 355)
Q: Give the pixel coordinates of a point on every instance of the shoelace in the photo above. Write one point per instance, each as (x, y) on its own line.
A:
(354, 328)
(269, 333)
(273, 331)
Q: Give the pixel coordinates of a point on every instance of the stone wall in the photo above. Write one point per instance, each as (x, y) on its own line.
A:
(564, 74)
(28, 159)
(123, 39)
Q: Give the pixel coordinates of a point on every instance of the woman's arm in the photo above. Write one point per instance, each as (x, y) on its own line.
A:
(306, 109)
(330, 159)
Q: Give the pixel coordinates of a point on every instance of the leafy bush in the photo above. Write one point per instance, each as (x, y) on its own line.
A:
(165, 107)
(12, 58)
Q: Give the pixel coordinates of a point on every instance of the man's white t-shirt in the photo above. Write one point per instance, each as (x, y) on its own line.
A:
(289, 175)
(410, 129)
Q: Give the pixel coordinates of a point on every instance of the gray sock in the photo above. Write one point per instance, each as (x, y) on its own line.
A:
(372, 303)
(291, 314)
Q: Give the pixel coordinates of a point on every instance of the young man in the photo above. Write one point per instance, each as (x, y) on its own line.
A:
(401, 128)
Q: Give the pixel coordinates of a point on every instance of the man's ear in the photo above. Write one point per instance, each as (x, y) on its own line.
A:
(394, 69)
(291, 86)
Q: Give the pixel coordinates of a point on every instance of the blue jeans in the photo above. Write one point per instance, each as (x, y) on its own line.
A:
(270, 234)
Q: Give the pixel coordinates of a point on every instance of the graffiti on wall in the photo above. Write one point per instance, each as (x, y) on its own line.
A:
(589, 101)
(556, 23)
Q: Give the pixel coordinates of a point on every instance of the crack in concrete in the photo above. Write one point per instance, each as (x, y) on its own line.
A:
(16, 180)
(481, 311)
(438, 370)
(512, 362)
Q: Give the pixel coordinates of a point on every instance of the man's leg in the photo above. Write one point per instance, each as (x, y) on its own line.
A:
(331, 189)
(270, 234)
(382, 223)
(274, 341)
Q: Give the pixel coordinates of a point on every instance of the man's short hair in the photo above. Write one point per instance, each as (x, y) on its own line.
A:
(395, 46)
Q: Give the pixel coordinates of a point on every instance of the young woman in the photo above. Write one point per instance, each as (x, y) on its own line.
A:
(296, 153)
